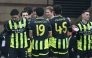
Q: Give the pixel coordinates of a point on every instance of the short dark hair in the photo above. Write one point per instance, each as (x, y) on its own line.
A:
(39, 11)
(84, 11)
(28, 9)
(57, 9)
(34, 10)
(23, 12)
(14, 12)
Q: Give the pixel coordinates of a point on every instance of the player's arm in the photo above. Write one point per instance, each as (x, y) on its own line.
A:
(6, 26)
(27, 28)
(27, 32)
(49, 30)
(69, 19)
(30, 31)
(69, 25)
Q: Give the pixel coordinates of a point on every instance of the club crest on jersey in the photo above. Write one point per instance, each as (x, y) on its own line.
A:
(22, 25)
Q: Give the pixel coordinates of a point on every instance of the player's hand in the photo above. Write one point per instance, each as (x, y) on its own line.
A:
(69, 19)
(72, 50)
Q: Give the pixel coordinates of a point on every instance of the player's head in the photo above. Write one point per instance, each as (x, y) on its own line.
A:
(34, 13)
(29, 10)
(24, 14)
(15, 14)
(39, 11)
(85, 15)
(49, 11)
(57, 9)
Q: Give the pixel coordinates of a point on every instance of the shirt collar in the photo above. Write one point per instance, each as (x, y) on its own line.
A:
(58, 16)
(39, 18)
(84, 23)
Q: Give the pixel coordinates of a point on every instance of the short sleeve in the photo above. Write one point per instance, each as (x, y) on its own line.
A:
(30, 26)
(6, 26)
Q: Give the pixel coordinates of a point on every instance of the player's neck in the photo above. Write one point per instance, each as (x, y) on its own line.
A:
(40, 17)
(29, 16)
(84, 21)
(51, 16)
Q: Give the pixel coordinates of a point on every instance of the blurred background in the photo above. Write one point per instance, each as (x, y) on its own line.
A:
(70, 8)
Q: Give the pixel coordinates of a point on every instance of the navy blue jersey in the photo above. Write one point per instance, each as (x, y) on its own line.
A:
(60, 26)
(40, 28)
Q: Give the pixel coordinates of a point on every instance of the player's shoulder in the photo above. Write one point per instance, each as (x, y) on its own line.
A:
(90, 22)
(23, 19)
(60, 17)
(79, 23)
(65, 19)
(48, 21)
(8, 21)
(52, 19)
(31, 19)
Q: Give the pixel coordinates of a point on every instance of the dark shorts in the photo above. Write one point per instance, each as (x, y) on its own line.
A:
(82, 54)
(14, 53)
(40, 53)
(72, 54)
(50, 53)
(59, 52)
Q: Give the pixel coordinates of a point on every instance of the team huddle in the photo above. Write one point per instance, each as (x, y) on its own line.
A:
(47, 38)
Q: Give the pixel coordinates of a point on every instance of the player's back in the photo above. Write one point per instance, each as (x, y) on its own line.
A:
(59, 27)
(40, 27)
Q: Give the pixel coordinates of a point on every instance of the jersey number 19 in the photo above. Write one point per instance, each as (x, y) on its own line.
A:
(40, 30)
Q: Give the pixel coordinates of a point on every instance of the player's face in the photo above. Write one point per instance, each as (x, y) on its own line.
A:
(34, 15)
(15, 18)
(86, 16)
(48, 13)
(25, 15)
